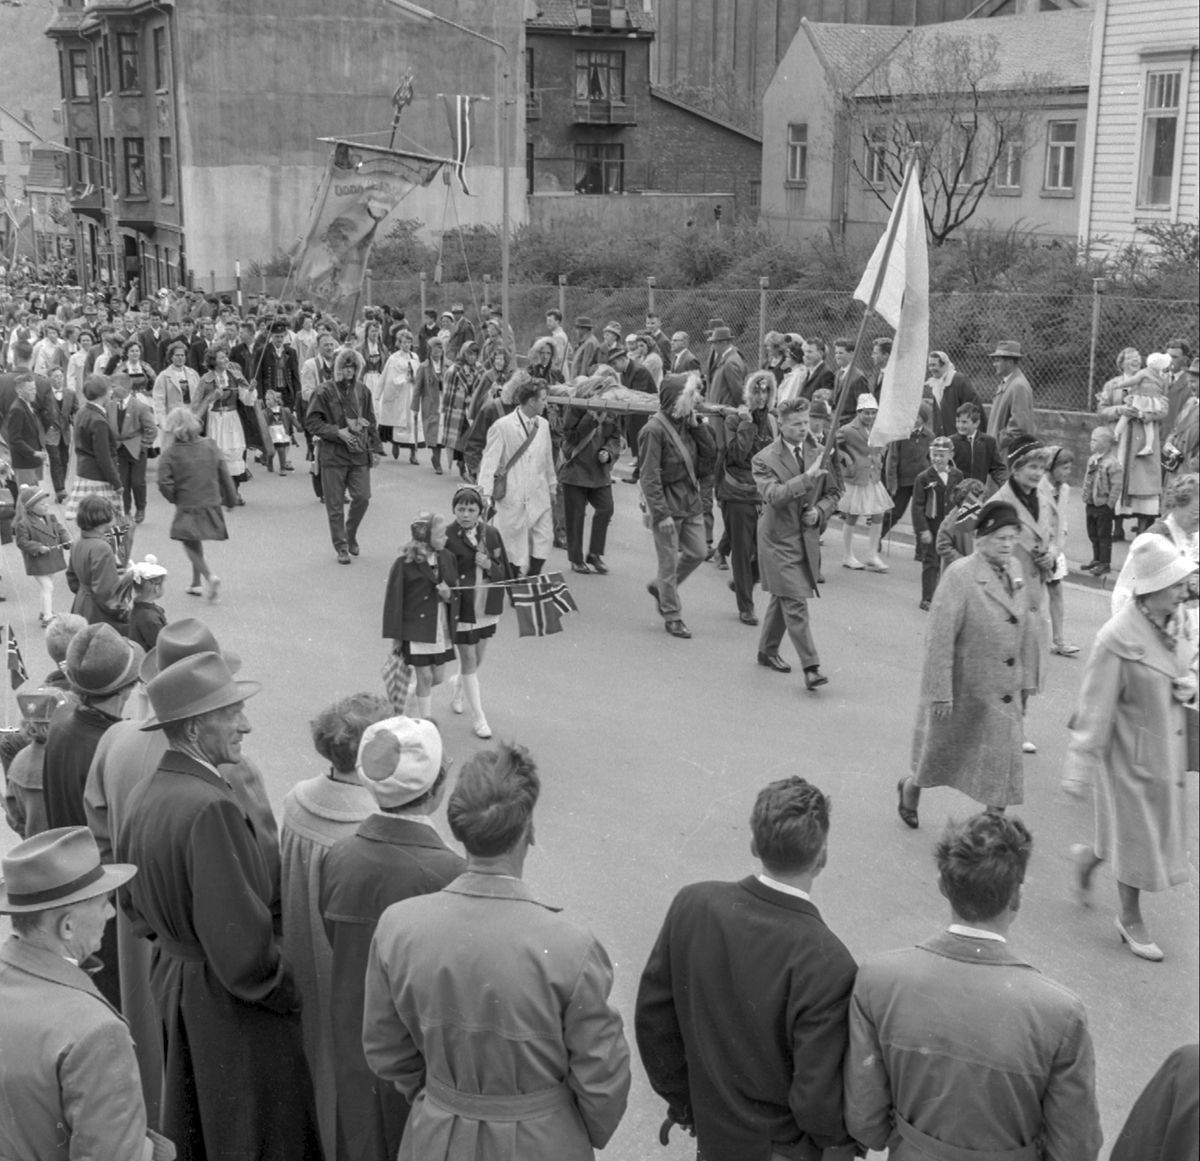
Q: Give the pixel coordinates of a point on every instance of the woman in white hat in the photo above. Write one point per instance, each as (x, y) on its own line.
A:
(1129, 739)
(865, 495)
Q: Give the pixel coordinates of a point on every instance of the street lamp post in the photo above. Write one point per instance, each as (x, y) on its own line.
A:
(425, 14)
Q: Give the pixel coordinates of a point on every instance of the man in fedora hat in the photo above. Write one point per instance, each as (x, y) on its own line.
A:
(637, 378)
(461, 331)
(587, 347)
(1012, 408)
(69, 1085)
(236, 1082)
(126, 756)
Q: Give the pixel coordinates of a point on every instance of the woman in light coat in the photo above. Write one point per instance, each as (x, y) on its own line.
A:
(1129, 739)
(317, 813)
(1141, 475)
(979, 650)
(393, 408)
(176, 385)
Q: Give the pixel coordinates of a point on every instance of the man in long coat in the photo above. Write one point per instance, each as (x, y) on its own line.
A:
(1012, 407)
(789, 475)
(488, 1010)
(236, 1082)
(524, 517)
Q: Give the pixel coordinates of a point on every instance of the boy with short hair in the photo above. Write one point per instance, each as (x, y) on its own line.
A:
(930, 501)
(1101, 483)
(976, 453)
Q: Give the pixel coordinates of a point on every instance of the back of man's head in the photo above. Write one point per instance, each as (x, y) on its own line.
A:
(492, 805)
(789, 824)
(981, 864)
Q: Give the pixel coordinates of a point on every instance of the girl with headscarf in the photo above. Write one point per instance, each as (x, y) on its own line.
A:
(420, 606)
(459, 390)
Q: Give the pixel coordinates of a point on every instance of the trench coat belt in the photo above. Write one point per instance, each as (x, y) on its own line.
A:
(188, 952)
(514, 1107)
(934, 1148)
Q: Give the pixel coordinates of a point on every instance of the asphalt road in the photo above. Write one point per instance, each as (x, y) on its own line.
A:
(651, 750)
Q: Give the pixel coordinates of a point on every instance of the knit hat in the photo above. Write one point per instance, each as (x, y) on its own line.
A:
(100, 661)
(996, 514)
(28, 494)
(399, 759)
(1157, 564)
(1021, 449)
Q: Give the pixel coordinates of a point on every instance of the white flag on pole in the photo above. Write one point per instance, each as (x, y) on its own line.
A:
(903, 302)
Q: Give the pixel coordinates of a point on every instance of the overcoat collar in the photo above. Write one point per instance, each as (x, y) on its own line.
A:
(965, 949)
(785, 461)
(179, 763)
(484, 886)
(990, 583)
(769, 895)
(336, 801)
(1131, 636)
(399, 832)
(37, 961)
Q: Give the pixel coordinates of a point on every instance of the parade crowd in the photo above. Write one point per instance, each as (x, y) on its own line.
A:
(189, 977)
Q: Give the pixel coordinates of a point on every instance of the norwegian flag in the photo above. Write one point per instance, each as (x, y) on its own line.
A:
(17, 673)
(541, 602)
(462, 133)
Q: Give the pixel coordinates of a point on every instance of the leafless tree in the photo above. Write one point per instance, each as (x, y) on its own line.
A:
(946, 98)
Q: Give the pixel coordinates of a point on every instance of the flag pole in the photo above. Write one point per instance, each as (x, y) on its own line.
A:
(893, 229)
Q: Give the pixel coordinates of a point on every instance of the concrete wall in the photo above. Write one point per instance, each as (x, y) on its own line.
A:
(617, 213)
(262, 80)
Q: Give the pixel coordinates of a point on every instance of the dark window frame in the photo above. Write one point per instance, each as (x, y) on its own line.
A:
(597, 164)
(133, 156)
(77, 70)
(129, 62)
(594, 72)
(162, 67)
(166, 168)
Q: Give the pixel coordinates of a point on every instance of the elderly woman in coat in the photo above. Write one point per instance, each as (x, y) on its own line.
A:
(1129, 739)
(1141, 475)
(979, 657)
(317, 813)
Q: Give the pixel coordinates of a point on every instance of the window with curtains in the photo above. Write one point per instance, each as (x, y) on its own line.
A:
(599, 76)
(1060, 155)
(135, 167)
(77, 64)
(1160, 130)
(129, 71)
(599, 169)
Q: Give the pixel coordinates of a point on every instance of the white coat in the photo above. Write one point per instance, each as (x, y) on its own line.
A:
(523, 518)
(393, 401)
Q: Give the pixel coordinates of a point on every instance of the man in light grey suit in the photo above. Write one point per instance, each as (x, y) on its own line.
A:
(1012, 409)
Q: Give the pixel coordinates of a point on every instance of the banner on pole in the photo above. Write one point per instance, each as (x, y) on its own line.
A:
(361, 187)
(462, 133)
(903, 302)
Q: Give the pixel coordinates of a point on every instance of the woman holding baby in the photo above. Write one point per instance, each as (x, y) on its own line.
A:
(1135, 403)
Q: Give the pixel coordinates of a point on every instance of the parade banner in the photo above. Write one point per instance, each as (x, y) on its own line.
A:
(462, 133)
(361, 187)
(903, 302)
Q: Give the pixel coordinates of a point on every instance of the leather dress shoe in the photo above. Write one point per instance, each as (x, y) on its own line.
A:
(343, 556)
(747, 618)
(775, 662)
(814, 678)
(576, 567)
(597, 564)
(352, 548)
(678, 629)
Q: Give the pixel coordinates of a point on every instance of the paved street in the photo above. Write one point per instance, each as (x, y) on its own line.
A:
(651, 749)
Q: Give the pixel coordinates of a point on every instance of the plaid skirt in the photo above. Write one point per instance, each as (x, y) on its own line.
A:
(83, 488)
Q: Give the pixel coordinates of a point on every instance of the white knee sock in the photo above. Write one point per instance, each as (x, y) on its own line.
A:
(848, 541)
(470, 682)
(47, 587)
(456, 691)
(423, 706)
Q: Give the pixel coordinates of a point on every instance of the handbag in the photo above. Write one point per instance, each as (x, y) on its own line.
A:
(277, 433)
(500, 479)
(397, 676)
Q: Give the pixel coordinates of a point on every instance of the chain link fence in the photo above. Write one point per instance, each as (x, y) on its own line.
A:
(1070, 342)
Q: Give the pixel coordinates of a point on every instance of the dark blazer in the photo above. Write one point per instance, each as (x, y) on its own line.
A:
(819, 380)
(681, 364)
(44, 402)
(1164, 1122)
(931, 498)
(95, 446)
(980, 458)
(385, 861)
(25, 436)
(264, 380)
(468, 570)
(585, 434)
(958, 391)
(741, 1020)
(196, 356)
(411, 600)
(154, 350)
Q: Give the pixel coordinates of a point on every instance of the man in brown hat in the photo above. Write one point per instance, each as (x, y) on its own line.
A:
(460, 332)
(236, 1082)
(1012, 408)
(587, 347)
(69, 1085)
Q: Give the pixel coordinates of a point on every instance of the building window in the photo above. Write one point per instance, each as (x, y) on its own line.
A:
(1160, 130)
(127, 62)
(874, 168)
(1060, 155)
(797, 153)
(599, 76)
(135, 167)
(26, 148)
(755, 194)
(85, 150)
(599, 169)
(166, 167)
(1008, 168)
(81, 89)
(160, 58)
(110, 163)
(103, 67)
(529, 169)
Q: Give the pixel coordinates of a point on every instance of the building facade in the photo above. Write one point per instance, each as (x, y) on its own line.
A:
(818, 173)
(1142, 161)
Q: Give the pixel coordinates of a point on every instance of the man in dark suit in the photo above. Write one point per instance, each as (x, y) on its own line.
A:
(655, 331)
(881, 351)
(682, 360)
(44, 404)
(637, 378)
(949, 389)
(131, 418)
(24, 434)
(198, 351)
(278, 368)
(818, 373)
(843, 353)
(154, 338)
(741, 1013)
(1178, 388)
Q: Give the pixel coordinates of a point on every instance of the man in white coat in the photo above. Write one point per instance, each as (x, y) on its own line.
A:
(519, 465)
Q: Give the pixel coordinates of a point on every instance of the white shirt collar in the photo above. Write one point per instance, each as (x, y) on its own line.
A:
(776, 885)
(975, 932)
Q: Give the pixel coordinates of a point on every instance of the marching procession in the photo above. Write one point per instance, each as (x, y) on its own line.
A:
(194, 973)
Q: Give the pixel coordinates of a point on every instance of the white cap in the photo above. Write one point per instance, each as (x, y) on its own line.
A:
(399, 759)
(148, 569)
(866, 402)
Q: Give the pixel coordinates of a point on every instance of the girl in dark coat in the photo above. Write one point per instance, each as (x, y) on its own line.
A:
(420, 606)
(146, 618)
(41, 538)
(481, 561)
(194, 476)
(92, 570)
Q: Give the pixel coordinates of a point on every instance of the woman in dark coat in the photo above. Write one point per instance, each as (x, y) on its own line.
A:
(194, 476)
(95, 448)
(980, 652)
(92, 569)
(427, 399)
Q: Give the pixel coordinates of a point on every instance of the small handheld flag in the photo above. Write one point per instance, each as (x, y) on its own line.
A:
(17, 673)
(462, 133)
(540, 602)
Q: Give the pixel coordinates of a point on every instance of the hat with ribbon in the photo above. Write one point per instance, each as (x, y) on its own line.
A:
(100, 661)
(996, 514)
(56, 868)
(148, 569)
(584, 323)
(399, 759)
(1157, 564)
(180, 639)
(194, 686)
(721, 334)
(1007, 349)
(1022, 448)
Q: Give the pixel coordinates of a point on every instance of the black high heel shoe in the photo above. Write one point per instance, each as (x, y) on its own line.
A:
(908, 814)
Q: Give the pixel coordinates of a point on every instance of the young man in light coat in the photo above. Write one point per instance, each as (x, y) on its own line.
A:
(524, 516)
(958, 1047)
(487, 1009)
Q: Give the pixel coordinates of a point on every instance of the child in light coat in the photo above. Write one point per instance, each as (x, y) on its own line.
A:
(1059, 462)
(41, 537)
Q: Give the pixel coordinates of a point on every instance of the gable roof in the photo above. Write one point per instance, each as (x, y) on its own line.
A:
(1055, 44)
(559, 15)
